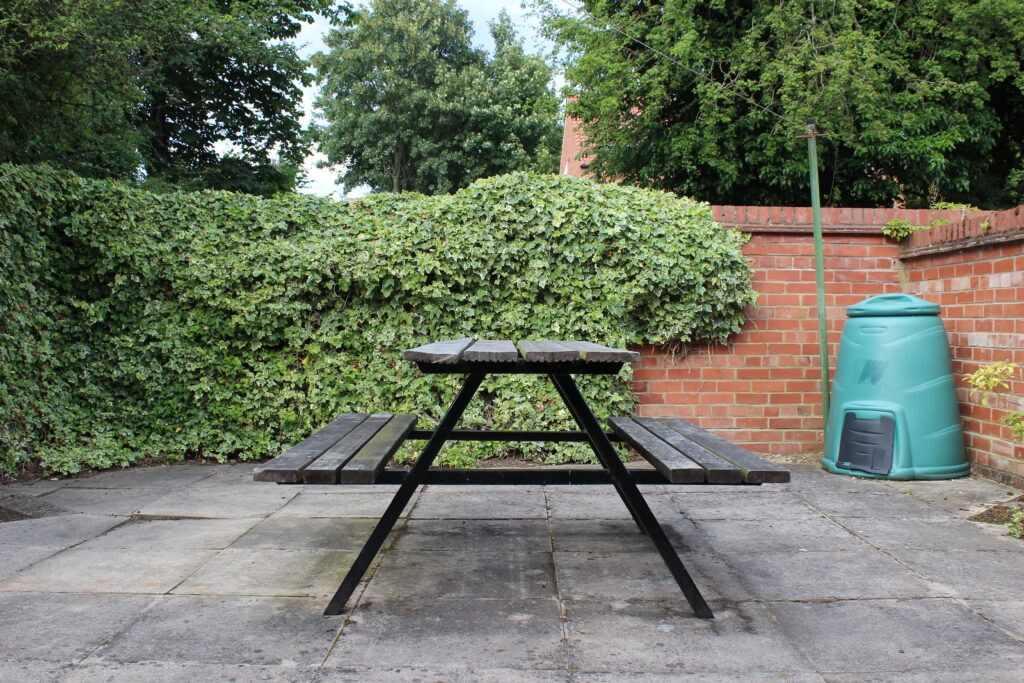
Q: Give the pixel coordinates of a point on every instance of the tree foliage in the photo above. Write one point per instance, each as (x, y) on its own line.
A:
(923, 100)
(142, 326)
(106, 88)
(409, 104)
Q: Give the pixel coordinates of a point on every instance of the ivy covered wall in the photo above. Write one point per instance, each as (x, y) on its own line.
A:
(139, 327)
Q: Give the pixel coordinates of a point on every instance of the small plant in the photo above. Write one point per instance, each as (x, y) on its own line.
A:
(899, 228)
(1015, 421)
(953, 206)
(994, 380)
(1016, 523)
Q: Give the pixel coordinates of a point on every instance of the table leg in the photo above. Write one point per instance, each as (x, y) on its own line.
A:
(628, 490)
(409, 484)
(579, 421)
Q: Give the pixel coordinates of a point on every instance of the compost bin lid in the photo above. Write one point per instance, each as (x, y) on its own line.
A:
(892, 304)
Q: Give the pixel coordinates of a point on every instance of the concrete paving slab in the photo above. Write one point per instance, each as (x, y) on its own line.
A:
(777, 505)
(325, 533)
(15, 558)
(809, 478)
(509, 574)
(970, 574)
(452, 635)
(662, 637)
(56, 531)
(982, 673)
(633, 577)
(643, 677)
(171, 672)
(64, 627)
(246, 537)
(81, 570)
(270, 572)
(224, 630)
(30, 505)
(1006, 613)
(474, 535)
(31, 672)
(157, 477)
(950, 534)
(105, 501)
(823, 575)
(602, 502)
(620, 536)
(909, 636)
(221, 502)
(965, 496)
(736, 536)
(875, 505)
(179, 534)
(34, 488)
(481, 502)
(439, 675)
(333, 505)
(233, 474)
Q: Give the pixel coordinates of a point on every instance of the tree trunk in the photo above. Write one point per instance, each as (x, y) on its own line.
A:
(396, 169)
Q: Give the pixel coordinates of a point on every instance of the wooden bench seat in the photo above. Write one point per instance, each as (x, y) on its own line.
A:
(686, 454)
(353, 449)
(356, 447)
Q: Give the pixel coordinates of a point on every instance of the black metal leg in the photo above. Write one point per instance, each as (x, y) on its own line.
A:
(579, 421)
(409, 484)
(631, 495)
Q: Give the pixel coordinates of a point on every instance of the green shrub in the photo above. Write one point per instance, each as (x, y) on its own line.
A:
(140, 327)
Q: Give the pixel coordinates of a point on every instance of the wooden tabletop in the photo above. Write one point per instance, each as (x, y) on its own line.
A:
(470, 350)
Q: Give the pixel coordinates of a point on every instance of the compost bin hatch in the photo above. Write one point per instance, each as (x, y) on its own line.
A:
(866, 443)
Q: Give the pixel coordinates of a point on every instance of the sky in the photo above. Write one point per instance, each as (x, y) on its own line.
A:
(320, 181)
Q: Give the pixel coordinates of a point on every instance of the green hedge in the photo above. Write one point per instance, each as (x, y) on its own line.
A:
(137, 327)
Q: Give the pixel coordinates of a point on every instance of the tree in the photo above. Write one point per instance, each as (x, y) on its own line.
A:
(410, 105)
(67, 91)
(922, 99)
(109, 88)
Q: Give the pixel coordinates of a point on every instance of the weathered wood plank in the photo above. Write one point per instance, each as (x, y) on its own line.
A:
(719, 471)
(325, 469)
(756, 470)
(366, 466)
(597, 353)
(493, 350)
(546, 351)
(447, 351)
(288, 467)
(672, 464)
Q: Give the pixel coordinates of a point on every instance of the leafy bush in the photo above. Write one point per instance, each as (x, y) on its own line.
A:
(138, 326)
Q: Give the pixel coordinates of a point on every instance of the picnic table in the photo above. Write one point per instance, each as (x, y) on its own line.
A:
(355, 447)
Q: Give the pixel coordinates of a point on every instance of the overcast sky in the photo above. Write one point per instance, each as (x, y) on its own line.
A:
(321, 181)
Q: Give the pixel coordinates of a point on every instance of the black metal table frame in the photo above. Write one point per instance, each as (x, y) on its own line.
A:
(560, 374)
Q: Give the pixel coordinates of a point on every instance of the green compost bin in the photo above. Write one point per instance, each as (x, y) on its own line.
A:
(894, 412)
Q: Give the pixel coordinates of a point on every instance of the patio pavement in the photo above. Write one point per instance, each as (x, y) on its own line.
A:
(195, 572)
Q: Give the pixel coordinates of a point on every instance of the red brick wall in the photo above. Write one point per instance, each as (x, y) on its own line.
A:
(763, 389)
(975, 270)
